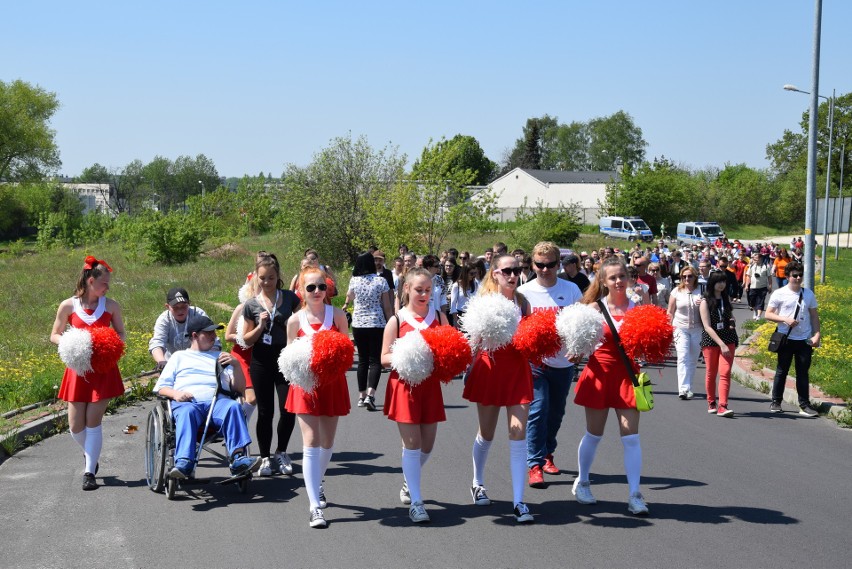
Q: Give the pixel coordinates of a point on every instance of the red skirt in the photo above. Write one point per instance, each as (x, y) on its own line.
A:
(243, 356)
(330, 399)
(501, 378)
(605, 384)
(418, 405)
(91, 387)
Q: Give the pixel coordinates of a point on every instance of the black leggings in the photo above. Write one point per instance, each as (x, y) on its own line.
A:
(268, 380)
(369, 344)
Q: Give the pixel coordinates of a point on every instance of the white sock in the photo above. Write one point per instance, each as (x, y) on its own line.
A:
(586, 455)
(80, 438)
(94, 442)
(411, 471)
(248, 410)
(518, 465)
(424, 457)
(325, 458)
(311, 472)
(632, 461)
(480, 457)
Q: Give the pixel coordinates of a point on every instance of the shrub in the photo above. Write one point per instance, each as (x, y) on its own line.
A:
(560, 225)
(174, 239)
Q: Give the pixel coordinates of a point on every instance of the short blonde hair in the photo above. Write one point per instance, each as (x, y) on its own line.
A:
(546, 249)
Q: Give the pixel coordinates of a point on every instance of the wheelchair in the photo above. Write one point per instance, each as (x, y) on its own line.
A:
(160, 441)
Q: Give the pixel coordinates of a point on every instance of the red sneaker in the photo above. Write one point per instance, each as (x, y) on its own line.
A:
(549, 467)
(537, 477)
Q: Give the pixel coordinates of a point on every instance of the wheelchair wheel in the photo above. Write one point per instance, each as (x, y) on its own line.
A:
(155, 450)
(171, 488)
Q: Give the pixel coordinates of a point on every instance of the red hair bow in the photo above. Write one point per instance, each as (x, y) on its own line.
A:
(90, 263)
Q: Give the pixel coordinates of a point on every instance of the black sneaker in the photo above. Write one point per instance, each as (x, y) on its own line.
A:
(775, 408)
(89, 481)
(808, 411)
(361, 401)
(370, 403)
(522, 514)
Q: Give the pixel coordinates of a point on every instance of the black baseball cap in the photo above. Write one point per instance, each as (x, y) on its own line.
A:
(201, 324)
(176, 295)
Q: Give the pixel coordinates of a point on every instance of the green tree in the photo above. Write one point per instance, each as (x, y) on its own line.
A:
(571, 148)
(559, 224)
(28, 150)
(614, 139)
(464, 153)
(327, 200)
(741, 195)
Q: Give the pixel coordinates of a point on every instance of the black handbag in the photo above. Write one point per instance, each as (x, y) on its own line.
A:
(777, 339)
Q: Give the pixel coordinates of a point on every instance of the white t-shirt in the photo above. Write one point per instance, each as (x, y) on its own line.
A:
(563, 293)
(784, 302)
(195, 372)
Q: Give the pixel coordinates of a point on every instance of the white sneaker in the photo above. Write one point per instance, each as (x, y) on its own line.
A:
(417, 513)
(480, 498)
(265, 467)
(318, 519)
(583, 492)
(284, 464)
(636, 505)
(522, 514)
(323, 503)
(404, 494)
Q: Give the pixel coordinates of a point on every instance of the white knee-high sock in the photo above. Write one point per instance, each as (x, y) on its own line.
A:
(311, 471)
(80, 438)
(480, 457)
(325, 458)
(248, 410)
(424, 457)
(518, 465)
(411, 471)
(632, 461)
(94, 442)
(586, 455)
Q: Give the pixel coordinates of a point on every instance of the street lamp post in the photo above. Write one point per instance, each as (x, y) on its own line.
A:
(202, 198)
(840, 199)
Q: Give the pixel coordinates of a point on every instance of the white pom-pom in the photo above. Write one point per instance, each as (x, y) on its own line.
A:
(243, 294)
(295, 363)
(581, 329)
(490, 321)
(412, 358)
(241, 328)
(75, 350)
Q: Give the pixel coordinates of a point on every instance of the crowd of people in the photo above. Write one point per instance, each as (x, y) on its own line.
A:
(697, 286)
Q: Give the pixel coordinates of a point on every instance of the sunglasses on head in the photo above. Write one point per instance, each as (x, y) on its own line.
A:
(510, 271)
(312, 287)
(550, 265)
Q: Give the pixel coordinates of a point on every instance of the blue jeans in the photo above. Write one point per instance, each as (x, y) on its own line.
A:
(189, 418)
(550, 393)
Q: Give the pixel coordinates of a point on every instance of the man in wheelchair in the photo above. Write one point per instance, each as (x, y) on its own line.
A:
(193, 379)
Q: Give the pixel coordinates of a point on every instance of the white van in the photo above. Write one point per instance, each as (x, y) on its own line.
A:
(698, 232)
(630, 228)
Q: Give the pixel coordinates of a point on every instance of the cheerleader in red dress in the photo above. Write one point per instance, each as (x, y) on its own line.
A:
(89, 395)
(502, 378)
(605, 384)
(316, 412)
(417, 410)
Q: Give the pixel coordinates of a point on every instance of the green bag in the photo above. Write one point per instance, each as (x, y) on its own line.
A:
(641, 385)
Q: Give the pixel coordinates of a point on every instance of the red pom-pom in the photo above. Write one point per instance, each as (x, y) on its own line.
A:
(107, 348)
(647, 334)
(332, 355)
(450, 351)
(537, 338)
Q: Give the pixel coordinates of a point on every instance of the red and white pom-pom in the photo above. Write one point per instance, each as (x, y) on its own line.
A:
(295, 364)
(332, 356)
(241, 328)
(536, 337)
(310, 361)
(490, 321)
(581, 329)
(412, 358)
(94, 349)
(646, 333)
(107, 348)
(243, 293)
(450, 352)
(75, 350)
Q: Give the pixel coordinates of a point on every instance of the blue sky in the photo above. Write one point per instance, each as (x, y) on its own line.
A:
(257, 85)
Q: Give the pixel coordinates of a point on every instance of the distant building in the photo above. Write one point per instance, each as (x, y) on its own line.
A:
(95, 197)
(550, 187)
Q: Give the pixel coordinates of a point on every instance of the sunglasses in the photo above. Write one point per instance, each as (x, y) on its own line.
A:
(513, 271)
(796, 275)
(312, 287)
(689, 276)
(654, 270)
(551, 265)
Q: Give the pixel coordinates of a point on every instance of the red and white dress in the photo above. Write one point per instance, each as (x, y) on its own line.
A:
(420, 404)
(605, 382)
(92, 386)
(243, 357)
(331, 397)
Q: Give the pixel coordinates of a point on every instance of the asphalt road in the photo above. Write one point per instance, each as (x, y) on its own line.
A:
(758, 490)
